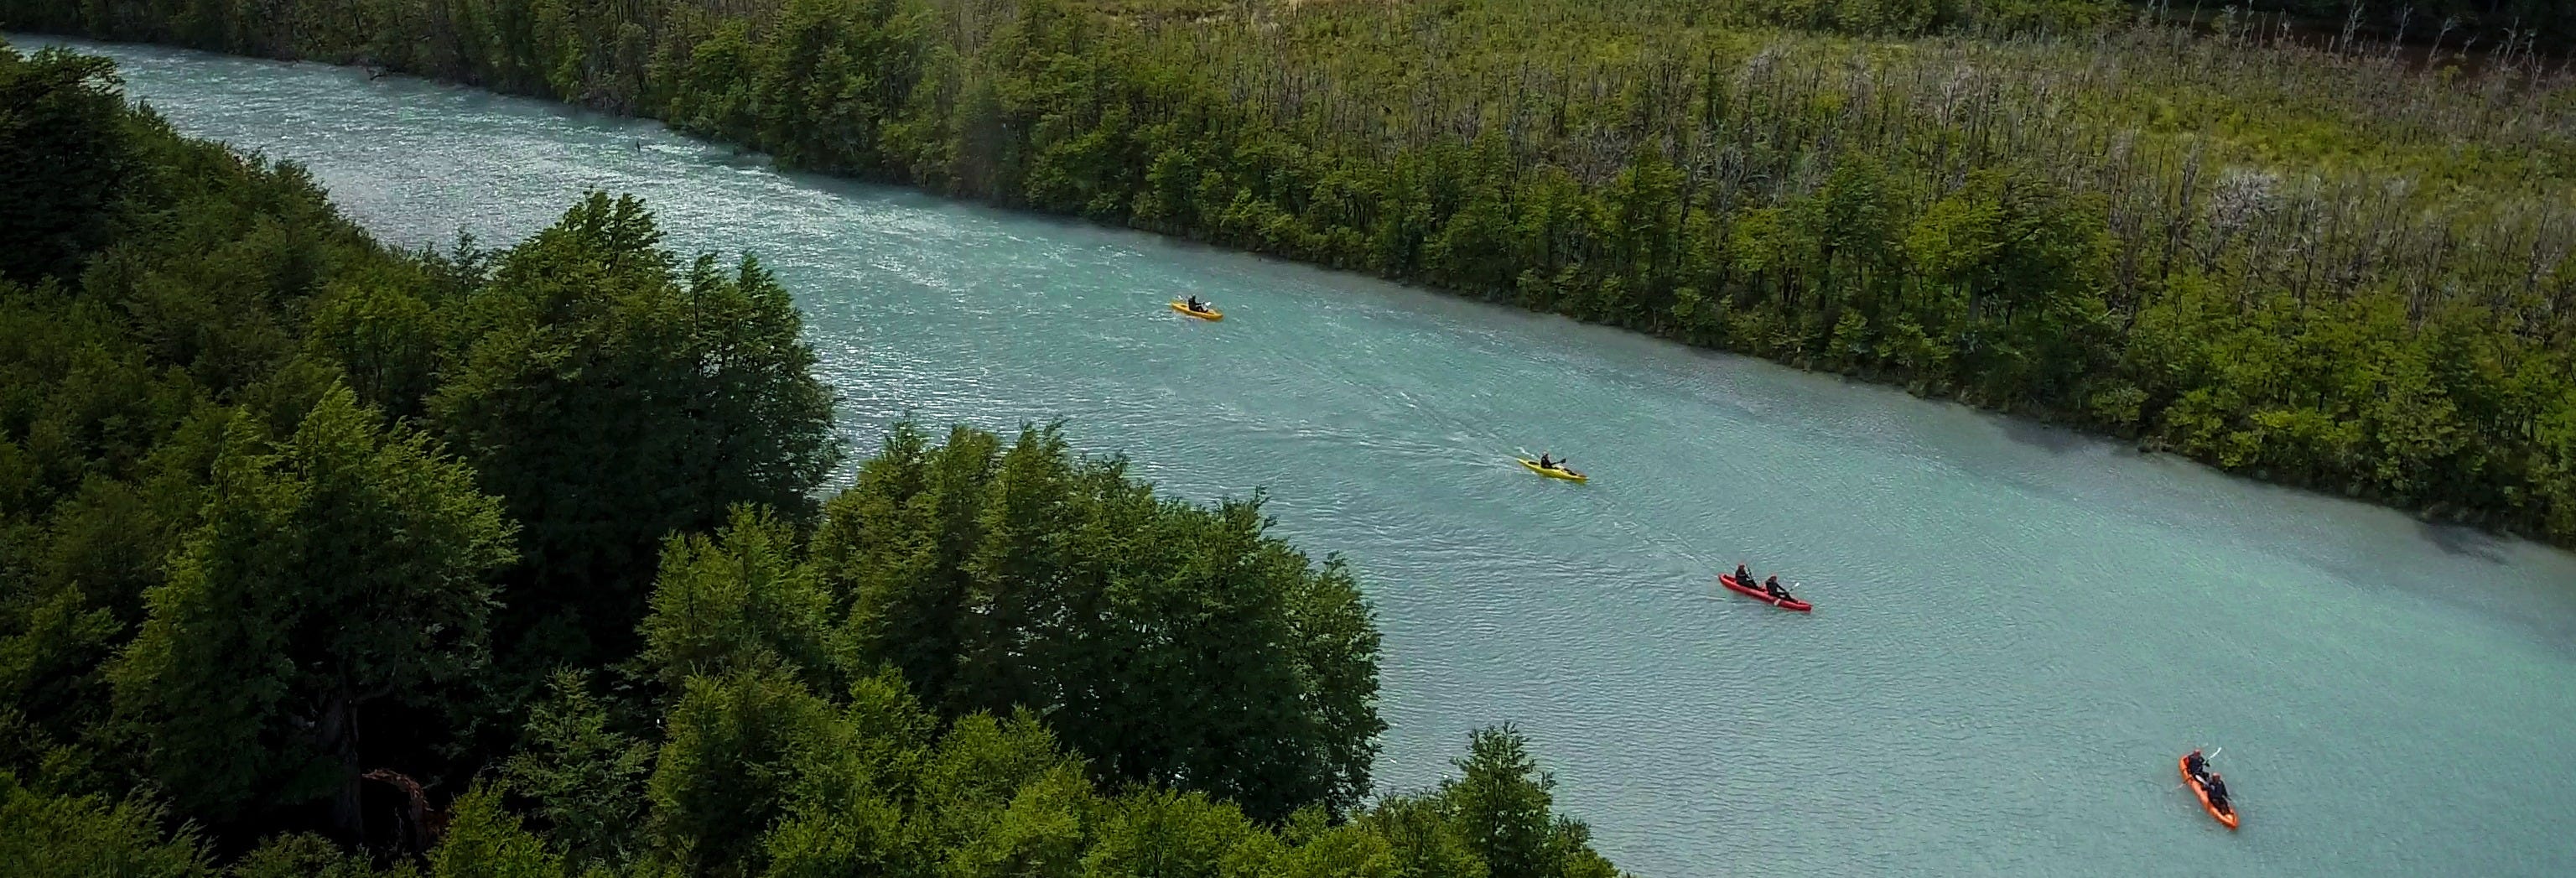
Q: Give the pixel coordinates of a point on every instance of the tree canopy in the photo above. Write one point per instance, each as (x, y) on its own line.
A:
(1171, 644)
(339, 567)
(589, 329)
(323, 559)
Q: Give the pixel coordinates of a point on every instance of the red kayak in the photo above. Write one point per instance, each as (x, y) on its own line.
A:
(1791, 604)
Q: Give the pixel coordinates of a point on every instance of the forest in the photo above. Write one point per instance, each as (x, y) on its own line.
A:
(2339, 261)
(319, 557)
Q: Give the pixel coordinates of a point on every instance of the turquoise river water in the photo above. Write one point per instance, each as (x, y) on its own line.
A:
(2017, 629)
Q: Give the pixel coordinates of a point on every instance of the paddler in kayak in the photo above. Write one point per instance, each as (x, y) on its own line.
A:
(2217, 790)
(1772, 587)
(1545, 463)
(1196, 305)
(2197, 764)
(1742, 575)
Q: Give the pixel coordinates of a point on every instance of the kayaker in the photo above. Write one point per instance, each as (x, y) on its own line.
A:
(2217, 790)
(1742, 575)
(1772, 586)
(1544, 463)
(1195, 306)
(2195, 763)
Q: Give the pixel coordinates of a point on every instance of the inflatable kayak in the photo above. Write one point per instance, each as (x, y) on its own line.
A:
(1755, 591)
(2227, 817)
(1554, 472)
(1209, 314)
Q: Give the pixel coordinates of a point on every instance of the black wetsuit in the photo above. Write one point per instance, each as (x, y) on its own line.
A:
(2218, 795)
(2197, 765)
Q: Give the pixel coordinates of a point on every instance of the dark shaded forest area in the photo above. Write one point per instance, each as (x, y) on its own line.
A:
(2331, 264)
(323, 558)
(2545, 26)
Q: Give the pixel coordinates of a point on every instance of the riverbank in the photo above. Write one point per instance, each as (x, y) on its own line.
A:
(2315, 269)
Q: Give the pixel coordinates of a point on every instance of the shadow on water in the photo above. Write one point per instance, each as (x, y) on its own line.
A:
(2463, 541)
(2045, 437)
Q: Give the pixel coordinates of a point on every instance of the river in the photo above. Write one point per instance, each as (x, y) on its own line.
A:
(2017, 631)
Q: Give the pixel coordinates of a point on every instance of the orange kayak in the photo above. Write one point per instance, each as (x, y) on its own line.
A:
(2227, 817)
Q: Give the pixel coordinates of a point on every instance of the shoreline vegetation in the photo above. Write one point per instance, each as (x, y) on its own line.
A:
(320, 558)
(2336, 266)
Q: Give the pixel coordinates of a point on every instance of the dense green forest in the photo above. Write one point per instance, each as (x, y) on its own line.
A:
(2332, 263)
(323, 558)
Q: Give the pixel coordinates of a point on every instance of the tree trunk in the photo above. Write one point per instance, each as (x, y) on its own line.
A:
(338, 735)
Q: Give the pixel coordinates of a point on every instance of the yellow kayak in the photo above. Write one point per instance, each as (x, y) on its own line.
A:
(1209, 314)
(1553, 472)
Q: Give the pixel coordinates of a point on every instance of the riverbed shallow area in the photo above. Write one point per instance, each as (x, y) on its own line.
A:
(2017, 629)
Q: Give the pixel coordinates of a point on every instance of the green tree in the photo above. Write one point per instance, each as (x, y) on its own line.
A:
(1024, 576)
(710, 92)
(191, 273)
(740, 601)
(1160, 833)
(1004, 796)
(1500, 805)
(485, 841)
(65, 158)
(734, 751)
(586, 778)
(385, 337)
(1422, 840)
(611, 399)
(893, 547)
(343, 567)
(48, 836)
(304, 855)
(2025, 258)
